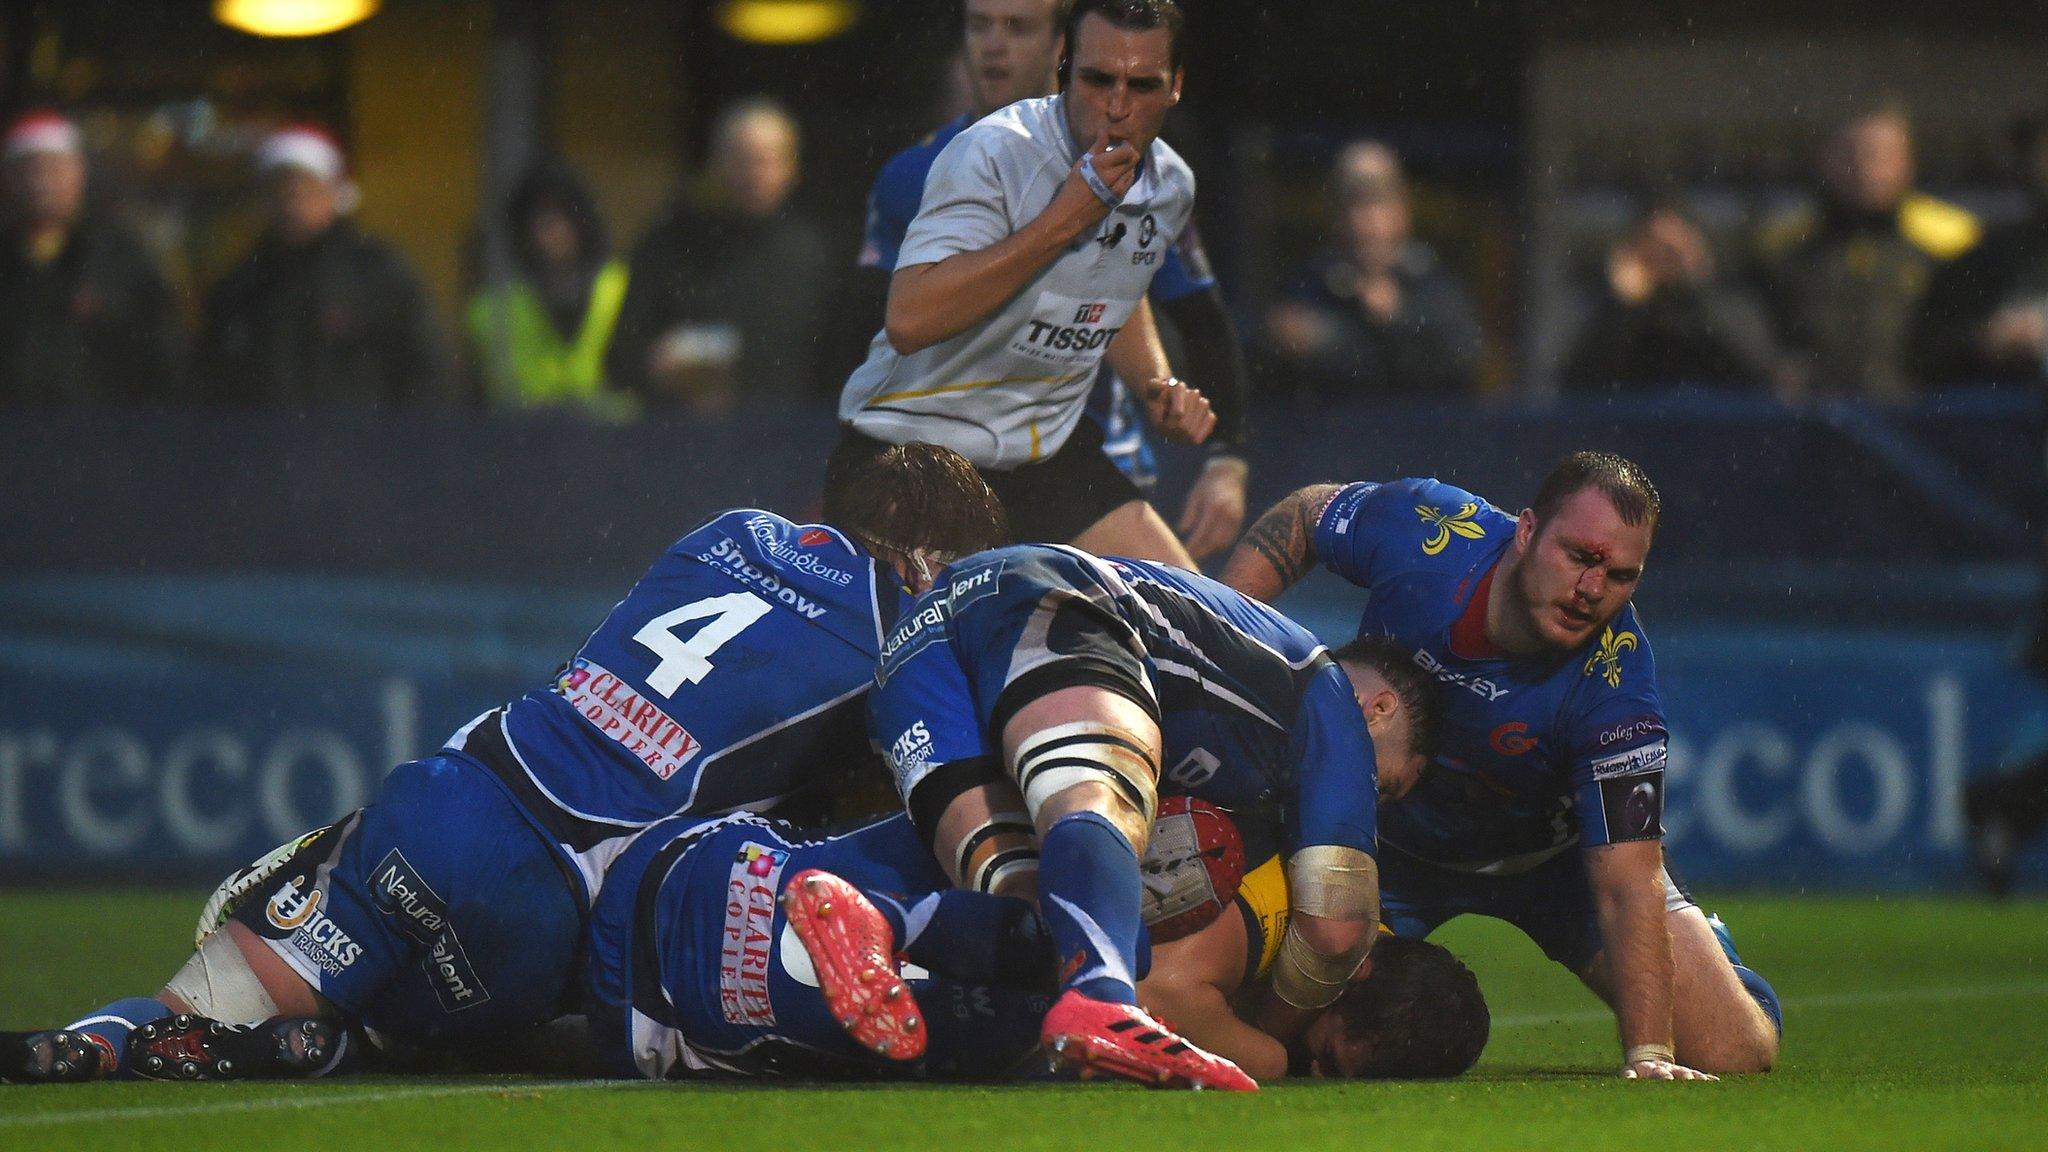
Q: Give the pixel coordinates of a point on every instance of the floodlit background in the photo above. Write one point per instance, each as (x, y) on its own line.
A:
(1792, 259)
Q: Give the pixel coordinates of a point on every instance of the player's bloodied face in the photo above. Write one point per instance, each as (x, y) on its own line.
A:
(1122, 84)
(1578, 569)
(1012, 46)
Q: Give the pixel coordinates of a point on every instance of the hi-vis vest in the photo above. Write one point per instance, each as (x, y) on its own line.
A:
(526, 361)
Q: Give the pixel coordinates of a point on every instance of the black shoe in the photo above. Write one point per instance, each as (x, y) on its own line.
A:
(188, 1047)
(57, 1056)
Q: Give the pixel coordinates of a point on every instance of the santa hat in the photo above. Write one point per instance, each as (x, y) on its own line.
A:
(41, 130)
(305, 147)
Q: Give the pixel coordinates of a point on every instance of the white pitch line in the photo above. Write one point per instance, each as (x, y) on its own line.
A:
(307, 1100)
(1825, 1000)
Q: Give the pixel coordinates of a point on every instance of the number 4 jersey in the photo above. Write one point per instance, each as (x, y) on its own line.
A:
(732, 675)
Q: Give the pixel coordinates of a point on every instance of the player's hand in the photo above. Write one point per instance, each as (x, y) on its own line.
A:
(1077, 207)
(1662, 1070)
(1182, 414)
(1215, 508)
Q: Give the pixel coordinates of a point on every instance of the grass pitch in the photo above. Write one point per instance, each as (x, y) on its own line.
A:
(1911, 1024)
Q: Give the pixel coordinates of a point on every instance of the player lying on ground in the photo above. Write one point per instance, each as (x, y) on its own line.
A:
(1544, 804)
(736, 947)
(448, 912)
(1037, 701)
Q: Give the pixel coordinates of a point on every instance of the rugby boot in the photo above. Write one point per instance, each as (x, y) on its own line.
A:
(189, 1047)
(853, 949)
(1121, 1040)
(53, 1056)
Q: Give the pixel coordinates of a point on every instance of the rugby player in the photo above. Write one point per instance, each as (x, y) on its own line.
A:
(1027, 267)
(1042, 696)
(1011, 51)
(448, 911)
(1544, 803)
(738, 947)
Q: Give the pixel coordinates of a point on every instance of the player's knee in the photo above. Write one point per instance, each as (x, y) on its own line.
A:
(1088, 766)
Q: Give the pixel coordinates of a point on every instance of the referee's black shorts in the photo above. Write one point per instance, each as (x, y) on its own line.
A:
(1050, 501)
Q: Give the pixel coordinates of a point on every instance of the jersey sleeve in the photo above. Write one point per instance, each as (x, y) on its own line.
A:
(964, 208)
(1345, 539)
(1619, 746)
(892, 204)
(1336, 780)
(1185, 269)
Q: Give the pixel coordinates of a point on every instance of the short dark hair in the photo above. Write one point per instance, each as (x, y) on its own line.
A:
(1621, 480)
(1396, 665)
(1136, 15)
(911, 496)
(1419, 1010)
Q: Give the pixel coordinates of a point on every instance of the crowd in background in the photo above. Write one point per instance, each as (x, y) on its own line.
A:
(1879, 291)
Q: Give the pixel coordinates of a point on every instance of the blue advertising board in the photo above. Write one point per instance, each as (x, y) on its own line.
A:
(1822, 759)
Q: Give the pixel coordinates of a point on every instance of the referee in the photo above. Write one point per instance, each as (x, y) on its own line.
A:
(1027, 265)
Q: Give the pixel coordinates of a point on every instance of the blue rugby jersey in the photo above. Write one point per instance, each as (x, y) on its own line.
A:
(731, 675)
(1539, 752)
(1256, 717)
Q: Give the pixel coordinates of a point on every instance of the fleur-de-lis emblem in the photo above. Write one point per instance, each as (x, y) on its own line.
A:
(1608, 655)
(1459, 522)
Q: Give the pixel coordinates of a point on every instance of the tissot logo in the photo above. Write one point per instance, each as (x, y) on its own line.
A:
(1089, 313)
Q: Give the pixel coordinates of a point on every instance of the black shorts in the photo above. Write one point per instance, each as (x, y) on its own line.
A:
(1051, 501)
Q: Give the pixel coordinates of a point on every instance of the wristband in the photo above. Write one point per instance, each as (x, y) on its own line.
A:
(1094, 182)
(1643, 1052)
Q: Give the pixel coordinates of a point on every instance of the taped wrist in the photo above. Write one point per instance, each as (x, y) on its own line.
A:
(1058, 758)
(1305, 978)
(1642, 1052)
(1001, 852)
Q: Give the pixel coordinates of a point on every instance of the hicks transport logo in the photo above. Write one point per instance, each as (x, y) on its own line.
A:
(295, 910)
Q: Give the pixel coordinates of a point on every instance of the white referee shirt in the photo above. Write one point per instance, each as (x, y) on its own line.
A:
(1010, 389)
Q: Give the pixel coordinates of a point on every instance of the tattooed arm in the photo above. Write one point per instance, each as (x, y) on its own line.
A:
(1280, 548)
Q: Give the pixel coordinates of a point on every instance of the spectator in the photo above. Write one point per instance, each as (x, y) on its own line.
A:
(1665, 318)
(726, 298)
(1987, 313)
(1847, 283)
(85, 316)
(540, 337)
(1378, 314)
(318, 315)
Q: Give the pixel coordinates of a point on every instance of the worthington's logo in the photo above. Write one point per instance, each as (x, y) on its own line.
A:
(1608, 656)
(1459, 522)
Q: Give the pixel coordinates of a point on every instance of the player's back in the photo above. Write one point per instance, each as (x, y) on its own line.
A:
(731, 675)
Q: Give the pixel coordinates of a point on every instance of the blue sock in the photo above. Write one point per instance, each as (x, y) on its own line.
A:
(1091, 899)
(973, 937)
(1760, 990)
(109, 1027)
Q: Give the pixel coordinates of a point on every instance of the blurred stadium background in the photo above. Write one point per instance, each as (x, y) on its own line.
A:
(221, 626)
